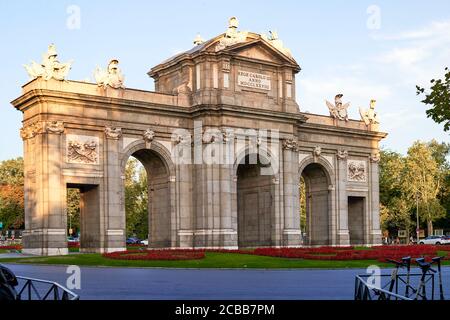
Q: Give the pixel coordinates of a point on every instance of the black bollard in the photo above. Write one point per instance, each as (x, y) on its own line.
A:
(407, 263)
(437, 260)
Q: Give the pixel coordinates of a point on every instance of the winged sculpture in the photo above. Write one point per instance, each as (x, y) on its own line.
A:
(112, 76)
(338, 110)
(50, 67)
(369, 116)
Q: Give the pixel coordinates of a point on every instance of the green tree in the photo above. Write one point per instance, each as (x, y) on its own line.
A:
(395, 206)
(423, 182)
(11, 172)
(392, 171)
(439, 100)
(73, 209)
(397, 215)
(12, 206)
(12, 210)
(302, 193)
(136, 199)
(441, 152)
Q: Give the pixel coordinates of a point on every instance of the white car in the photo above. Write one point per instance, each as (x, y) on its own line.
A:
(435, 240)
(145, 242)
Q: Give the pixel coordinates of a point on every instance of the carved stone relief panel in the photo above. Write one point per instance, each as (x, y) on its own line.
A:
(82, 149)
(356, 171)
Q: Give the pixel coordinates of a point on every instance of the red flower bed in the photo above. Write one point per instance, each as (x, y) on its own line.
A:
(380, 253)
(156, 255)
(73, 244)
(13, 247)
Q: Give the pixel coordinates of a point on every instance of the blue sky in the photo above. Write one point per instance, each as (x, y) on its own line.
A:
(364, 49)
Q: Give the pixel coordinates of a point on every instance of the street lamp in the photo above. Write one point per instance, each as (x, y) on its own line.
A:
(417, 216)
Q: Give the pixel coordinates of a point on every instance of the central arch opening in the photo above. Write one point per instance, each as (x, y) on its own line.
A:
(316, 205)
(255, 195)
(155, 205)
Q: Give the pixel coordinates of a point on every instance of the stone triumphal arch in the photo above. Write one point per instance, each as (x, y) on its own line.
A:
(224, 144)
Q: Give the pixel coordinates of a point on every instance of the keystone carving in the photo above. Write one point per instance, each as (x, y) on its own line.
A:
(149, 136)
(317, 151)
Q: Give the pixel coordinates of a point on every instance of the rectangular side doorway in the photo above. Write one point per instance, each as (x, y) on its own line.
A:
(89, 217)
(356, 213)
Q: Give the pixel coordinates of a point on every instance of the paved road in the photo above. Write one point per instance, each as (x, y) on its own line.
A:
(156, 284)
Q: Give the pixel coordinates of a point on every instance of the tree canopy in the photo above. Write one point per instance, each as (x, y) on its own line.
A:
(439, 99)
(136, 199)
(419, 180)
(12, 194)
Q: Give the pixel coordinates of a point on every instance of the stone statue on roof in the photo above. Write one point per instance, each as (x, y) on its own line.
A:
(112, 76)
(338, 110)
(50, 67)
(232, 36)
(369, 116)
(275, 41)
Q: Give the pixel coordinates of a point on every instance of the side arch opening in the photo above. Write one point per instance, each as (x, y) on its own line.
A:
(316, 205)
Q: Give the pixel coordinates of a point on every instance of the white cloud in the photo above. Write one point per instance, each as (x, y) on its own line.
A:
(416, 47)
(433, 30)
(402, 117)
(405, 57)
(388, 73)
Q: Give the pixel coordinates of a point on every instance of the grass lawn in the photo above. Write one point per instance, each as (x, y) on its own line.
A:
(212, 260)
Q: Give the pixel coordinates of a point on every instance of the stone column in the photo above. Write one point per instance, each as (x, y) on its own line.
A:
(343, 236)
(185, 210)
(213, 195)
(228, 235)
(47, 231)
(114, 223)
(374, 206)
(291, 231)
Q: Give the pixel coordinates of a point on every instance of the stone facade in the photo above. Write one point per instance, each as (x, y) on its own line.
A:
(204, 189)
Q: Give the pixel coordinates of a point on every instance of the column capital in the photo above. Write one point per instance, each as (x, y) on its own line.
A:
(113, 133)
(342, 154)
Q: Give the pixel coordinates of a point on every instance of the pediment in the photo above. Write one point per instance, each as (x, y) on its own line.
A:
(247, 45)
(259, 52)
(254, 48)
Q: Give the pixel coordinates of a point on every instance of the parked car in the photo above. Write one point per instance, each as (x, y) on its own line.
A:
(73, 239)
(435, 240)
(145, 242)
(133, 240)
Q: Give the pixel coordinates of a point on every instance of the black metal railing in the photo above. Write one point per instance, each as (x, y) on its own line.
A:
(404, 288)
(37, 289)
